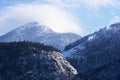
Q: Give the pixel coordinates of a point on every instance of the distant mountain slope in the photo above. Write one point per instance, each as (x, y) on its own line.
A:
(33, 61)
(97, 56)
(39, 33)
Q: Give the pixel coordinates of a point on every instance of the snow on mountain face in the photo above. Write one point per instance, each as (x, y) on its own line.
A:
(97, 56)
(104, 33)
(77, 45)
(111, 33)
(33, 61)
(39, 33)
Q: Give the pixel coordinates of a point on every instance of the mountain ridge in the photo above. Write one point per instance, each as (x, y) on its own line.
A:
(38, 33)
(97, 56)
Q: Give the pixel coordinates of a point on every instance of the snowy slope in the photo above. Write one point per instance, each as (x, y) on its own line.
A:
(78, 45)
(97, 56)
(38, 33)
(106, 33)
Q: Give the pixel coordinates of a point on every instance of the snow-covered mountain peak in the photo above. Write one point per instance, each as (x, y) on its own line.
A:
(37, 32)
(35, 26)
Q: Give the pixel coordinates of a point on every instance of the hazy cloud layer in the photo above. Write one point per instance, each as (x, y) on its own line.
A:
(49, 15)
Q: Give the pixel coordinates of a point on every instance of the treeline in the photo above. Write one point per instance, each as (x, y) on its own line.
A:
(26, 44)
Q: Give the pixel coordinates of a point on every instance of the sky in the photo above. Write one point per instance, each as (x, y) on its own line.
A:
(78, 16)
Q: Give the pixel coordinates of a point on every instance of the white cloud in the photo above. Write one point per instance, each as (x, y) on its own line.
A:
(56, 18)
(116, 19)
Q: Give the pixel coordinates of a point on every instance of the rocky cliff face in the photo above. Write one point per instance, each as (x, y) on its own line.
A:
(33, 61)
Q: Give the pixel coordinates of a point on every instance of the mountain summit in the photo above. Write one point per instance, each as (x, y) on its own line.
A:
(36, 32)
